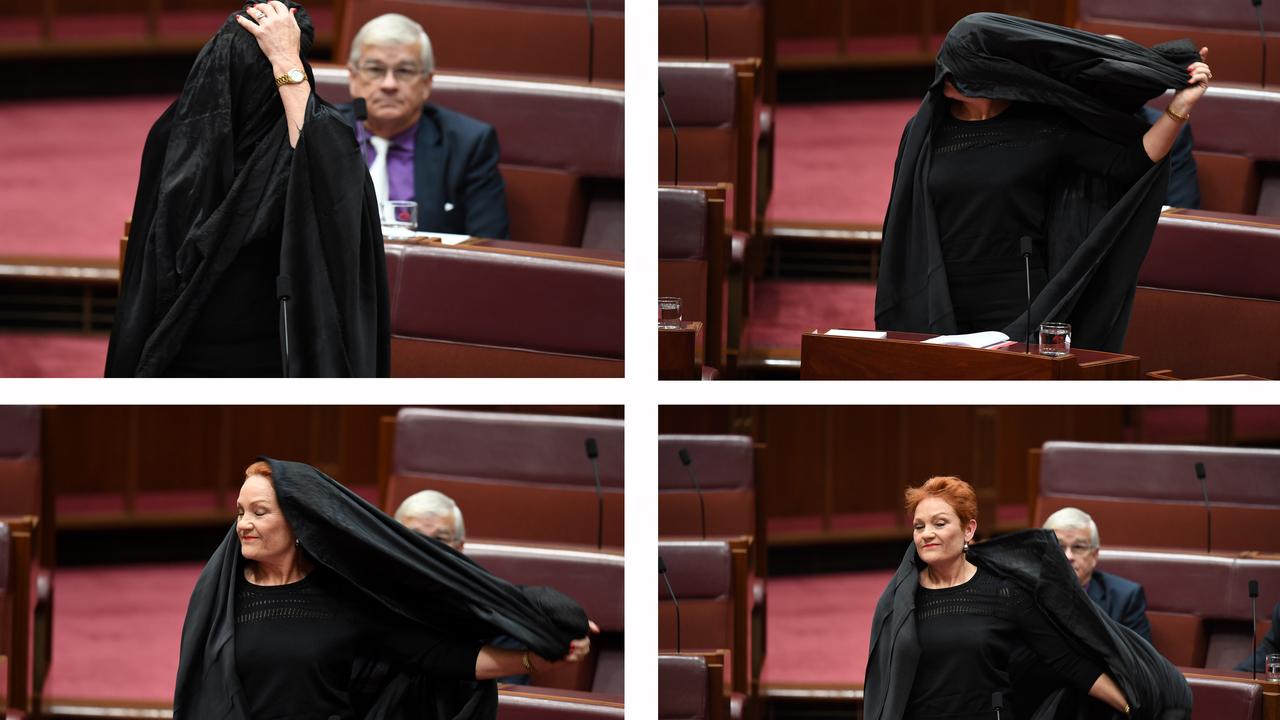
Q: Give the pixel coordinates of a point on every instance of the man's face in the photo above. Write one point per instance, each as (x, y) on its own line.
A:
(390, 79)
(1076, 545)
(434, 526)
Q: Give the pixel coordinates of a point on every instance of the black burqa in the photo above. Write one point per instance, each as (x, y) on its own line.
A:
(1098, 232)
(419, 579)
(219, 182)
(1032, 560)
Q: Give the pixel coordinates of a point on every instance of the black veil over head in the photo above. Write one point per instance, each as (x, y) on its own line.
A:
(421, 581)
(1099, 233)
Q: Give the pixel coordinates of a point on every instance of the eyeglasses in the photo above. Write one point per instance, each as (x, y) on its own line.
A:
(1078, 550)
(375, 72)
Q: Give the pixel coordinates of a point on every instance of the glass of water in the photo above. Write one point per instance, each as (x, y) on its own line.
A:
(399, 218)
(1272, 667)
(1055, 339)
(669, 313)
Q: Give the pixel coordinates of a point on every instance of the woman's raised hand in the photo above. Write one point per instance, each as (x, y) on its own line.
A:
(276, 31)
(1198, 77)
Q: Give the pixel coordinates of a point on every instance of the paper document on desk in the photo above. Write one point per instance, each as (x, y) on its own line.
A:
(972, 340)
(450, 238)
(872, 334)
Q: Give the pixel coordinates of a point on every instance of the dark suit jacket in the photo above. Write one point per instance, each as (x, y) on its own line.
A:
(1122, 600)
(455, 166)
(1270, 644)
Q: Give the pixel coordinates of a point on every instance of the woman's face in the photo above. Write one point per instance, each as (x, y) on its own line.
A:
(939, 534)
(263, 531)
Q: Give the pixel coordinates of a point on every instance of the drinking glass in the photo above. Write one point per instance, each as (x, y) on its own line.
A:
(399, 217)
(669, 313)
(1272, 667)
(1055, 339)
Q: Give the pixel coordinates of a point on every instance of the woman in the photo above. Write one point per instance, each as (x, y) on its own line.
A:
(317, 605)
(252, 198)
(1032, 131)
(960, 626)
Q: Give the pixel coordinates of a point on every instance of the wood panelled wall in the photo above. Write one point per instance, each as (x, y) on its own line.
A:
(822, 18)
(820, 461)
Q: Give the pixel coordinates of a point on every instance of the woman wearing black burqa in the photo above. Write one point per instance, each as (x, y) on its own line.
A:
(252, 188)
(317, 605)
(1002, 628)
(1031, 130)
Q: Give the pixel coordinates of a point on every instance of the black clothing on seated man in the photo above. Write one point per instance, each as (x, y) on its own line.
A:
(1097, 226)
(1027, 563)
(418, 587)
(456, 181)
(1184, 181)
(1122, 600)
(1268, 645)
(225, 207)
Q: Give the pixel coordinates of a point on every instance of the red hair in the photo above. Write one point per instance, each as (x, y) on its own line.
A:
(261, 467)
(952, 490)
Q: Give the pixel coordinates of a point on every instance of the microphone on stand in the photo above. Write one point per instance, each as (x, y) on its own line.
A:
(706, 33)
(662, 570)
(1253, 609)
(997, 702)
(702, 507)
(591, 43)
(284, 292)
(662, 98)
(1262, 35)
(593, 452)
(361, 108)
(1026, 260)
(1208, 516)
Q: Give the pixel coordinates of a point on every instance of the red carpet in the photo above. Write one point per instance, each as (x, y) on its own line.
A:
(782, 310)
(116, 631)
(833, 162)
(70, 173)
(37, 354)
(820, 627)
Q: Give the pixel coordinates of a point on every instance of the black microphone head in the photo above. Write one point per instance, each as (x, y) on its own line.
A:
(1257, 3)
(1200, 470)
(593, 452)
(361, 108)
(662, 565)
(662, 92)
(1026, 244)
(684, 457)
(997, 700)
(1253, 588)
(284, 287)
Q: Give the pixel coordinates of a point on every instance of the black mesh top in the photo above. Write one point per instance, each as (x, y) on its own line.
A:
(968, 634)
(297, 644)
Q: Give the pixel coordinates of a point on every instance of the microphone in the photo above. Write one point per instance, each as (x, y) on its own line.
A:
(662, 570)
(361, 109)
(662, 95)
(593, 452)
(1026, 261)
(1208, 516)
(284, 291)
(702, 507)
(706, 33)
(1253, 609)
(997, 702)
(1262, 35)
(591, 43)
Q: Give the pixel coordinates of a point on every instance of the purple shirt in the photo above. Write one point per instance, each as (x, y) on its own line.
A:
(399, 160)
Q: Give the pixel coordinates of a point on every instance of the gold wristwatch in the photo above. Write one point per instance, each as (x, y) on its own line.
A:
(293, 77)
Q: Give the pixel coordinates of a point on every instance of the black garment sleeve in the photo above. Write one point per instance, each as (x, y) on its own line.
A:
(1047, 642)
(1122, 162)
(406, 641)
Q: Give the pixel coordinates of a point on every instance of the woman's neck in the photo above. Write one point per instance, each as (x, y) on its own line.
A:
(287, 570)
(978, 108)
(950, 575)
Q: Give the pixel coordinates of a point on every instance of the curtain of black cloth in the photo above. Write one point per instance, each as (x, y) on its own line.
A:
(1032, 559)
(217, 177)
(1098, 233)
(421, 580)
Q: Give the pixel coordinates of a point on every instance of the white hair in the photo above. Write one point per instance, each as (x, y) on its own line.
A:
(433, 504)
(393, 29)
(1069, 518)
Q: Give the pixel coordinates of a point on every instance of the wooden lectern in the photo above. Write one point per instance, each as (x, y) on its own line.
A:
(902, 356)
(680, 352)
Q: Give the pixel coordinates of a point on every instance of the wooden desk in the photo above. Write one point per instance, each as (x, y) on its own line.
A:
(902, 356)
(680, 352)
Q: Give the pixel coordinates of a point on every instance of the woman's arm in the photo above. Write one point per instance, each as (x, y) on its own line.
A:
(1159, 139)
(279, 37)
(494, 662)
(1106, 690)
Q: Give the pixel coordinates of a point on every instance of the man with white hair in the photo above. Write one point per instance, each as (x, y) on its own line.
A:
(1122, 599)
(435, 515)
(443, 160)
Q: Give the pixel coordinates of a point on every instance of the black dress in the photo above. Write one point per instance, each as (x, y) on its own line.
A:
(968, 637)
(991, 182)
(297, 647)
